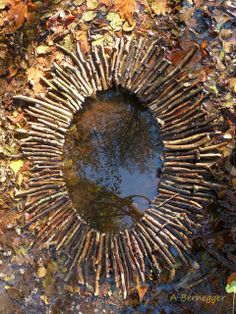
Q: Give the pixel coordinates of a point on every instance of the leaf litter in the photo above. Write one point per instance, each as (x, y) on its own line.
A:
(29, 31)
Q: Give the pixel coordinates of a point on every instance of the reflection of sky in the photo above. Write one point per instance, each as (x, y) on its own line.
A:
(128, 182)
(125, 151)
(139, 183)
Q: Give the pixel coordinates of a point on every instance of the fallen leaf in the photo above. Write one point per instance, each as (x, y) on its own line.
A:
(68, 42)
(82, 38)
(42, 49)
(12, 71)
(17, 13)
(160, 7)
(15, 165)
(232, 84)
(176, 55)
(231, 284)
(52, 266)
(78, 2)
(20, 11)
(125, 9)
(13, 292)
(41, 272)
(229, 134)
(92, 4)
(115, 21)
(69, 20)
(44, 298)
(127, 27)
(98, 41)
(203, 47)
(18, 118)
(34, 74)
(142, 289)
(89, 16)
(107, 3)
(226, 34)
(20, 179)
(3, 4)
(229, 46)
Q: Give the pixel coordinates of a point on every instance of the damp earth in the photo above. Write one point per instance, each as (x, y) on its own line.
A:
(112, 160)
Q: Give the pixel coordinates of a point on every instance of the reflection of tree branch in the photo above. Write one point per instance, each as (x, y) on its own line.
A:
(141, 196)
(122, 204)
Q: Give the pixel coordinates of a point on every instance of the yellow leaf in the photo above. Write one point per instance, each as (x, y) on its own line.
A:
(160, 7)
(44, 298)
(99, 41)
(232, 83)
(89, 16)
(53, 267)
(92, 4)
(3, 4)
(78, 2)
(115, 20)
(42, 49)
(20, 179)
(15, 165)
(41, 272)
(127, 27)
(142, 291)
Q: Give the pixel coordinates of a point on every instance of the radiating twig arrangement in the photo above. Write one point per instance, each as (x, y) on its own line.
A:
(192, 145)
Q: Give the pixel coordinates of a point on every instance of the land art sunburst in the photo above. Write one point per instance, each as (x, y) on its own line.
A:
(192, 142)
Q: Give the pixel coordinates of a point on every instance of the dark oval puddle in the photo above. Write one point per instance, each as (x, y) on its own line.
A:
(112, 161)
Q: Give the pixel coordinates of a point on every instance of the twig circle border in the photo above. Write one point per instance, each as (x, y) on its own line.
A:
(190, 141)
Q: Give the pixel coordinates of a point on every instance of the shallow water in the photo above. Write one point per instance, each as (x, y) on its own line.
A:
(113, 160)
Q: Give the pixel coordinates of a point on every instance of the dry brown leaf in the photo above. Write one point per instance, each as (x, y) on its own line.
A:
(17, 12)
(229, 134)
(34, 75)
(30, 17)
(18, 118)
(20, 11)
(142, 289)
(186, 14)
(126, 9)
(82, 37)
(203, 46)
(12, 71)
(144, 3)
(176, 55)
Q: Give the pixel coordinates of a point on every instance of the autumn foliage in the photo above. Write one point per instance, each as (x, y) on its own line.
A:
(125, 9)
(21, 11)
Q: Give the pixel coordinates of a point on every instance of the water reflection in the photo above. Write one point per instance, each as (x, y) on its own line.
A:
(112, 160)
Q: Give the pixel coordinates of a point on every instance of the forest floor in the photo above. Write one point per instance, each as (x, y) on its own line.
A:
(29, 32)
